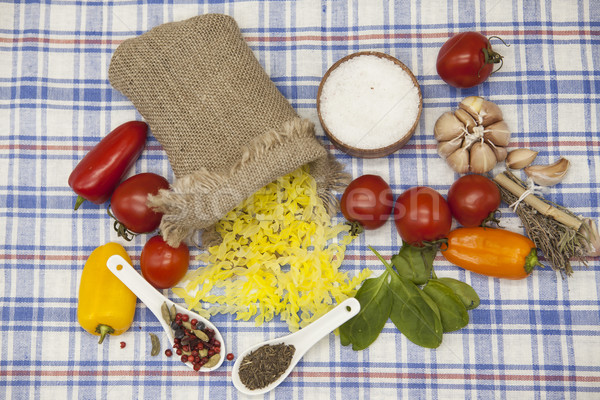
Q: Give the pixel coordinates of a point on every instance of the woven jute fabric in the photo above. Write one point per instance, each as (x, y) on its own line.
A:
(226, 128)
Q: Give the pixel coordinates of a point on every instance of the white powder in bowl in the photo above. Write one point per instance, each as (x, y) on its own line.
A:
(369, 102)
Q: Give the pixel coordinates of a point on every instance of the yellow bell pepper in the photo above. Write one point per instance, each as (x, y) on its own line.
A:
(106, 305)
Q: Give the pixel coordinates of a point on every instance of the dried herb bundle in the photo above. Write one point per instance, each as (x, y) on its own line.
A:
(265, 365)
(556, 231)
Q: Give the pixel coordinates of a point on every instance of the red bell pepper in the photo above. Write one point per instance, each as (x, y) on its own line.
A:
(101, 170)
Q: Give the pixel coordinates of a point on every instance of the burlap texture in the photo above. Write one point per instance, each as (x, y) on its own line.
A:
(225, 127)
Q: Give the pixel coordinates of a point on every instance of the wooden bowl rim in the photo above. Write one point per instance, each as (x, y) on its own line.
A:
(382, 151)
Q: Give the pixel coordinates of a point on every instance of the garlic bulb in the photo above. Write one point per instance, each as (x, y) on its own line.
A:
(474, 137)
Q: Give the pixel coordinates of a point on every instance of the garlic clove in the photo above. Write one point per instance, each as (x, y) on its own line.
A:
(520, 158)
(497, 133)
(448, 127)
(449, 147)
(472, 105)
(490, 113)
(500, 152)
(483, 158)
(548, 175)
(459, 160)
(483, 111)
(466, 119)
(589, 230)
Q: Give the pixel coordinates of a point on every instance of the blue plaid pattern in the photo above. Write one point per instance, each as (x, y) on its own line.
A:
(532, 339)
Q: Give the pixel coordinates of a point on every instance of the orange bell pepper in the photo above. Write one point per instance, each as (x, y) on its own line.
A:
(493, 252)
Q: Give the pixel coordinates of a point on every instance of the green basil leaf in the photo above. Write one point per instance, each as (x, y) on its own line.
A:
(344, 339)
(452, 310)
(413, 314)
(415, 263)
(375, 304)
(434, 307)
(463, 290)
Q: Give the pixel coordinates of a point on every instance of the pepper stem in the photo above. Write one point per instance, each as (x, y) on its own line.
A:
(104, 330)
(531, 261)
(78, 202)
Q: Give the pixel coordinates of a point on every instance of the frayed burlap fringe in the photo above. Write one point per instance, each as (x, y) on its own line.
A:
(260, 146)
(331, 178)
(198, 200)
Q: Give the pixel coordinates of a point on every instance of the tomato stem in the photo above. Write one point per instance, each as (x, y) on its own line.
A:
(491, 218)
(500, 39)
(491, 57)
(433, 243)
(121, 229)
(356, 228)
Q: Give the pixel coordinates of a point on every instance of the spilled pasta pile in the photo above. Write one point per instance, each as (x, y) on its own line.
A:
(280, 255)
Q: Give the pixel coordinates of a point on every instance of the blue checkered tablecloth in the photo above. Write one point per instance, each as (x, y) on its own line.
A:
(537, 338)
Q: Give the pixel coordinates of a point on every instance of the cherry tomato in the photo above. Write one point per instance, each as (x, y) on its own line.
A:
(164, 266)
(422, 215)
(466, 60)
(472, 199)
(128, 203)
(368, 200)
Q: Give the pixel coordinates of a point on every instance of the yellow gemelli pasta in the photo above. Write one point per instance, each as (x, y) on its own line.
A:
(279, 255)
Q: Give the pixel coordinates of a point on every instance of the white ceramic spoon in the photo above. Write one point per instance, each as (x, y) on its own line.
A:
(154, 300)
(302, 340)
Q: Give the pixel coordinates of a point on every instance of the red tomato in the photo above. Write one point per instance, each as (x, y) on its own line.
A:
(368, 200)
(422, 215)
(164, 266)
(128, 202)
(466, 60)
(472, 199)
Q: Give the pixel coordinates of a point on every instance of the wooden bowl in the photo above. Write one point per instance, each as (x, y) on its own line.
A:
(376, 152)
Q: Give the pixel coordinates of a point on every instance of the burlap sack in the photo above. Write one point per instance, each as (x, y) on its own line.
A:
(225, 127)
